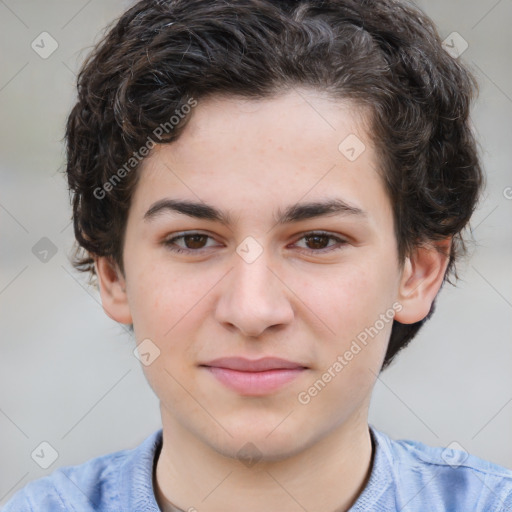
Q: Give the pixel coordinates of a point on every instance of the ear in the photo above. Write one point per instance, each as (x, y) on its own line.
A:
(421, 279)
(112, 290)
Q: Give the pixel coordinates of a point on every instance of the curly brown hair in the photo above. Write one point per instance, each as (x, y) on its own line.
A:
(384, 55)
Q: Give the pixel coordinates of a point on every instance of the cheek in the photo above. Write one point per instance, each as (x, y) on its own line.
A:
(355, 303)
(347, 298)
(169, 308)
(160, 295)
(164, 308)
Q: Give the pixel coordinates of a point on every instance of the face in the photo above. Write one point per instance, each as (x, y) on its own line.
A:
(254, 273)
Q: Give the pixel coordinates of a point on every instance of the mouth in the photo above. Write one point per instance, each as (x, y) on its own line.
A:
(254, 377)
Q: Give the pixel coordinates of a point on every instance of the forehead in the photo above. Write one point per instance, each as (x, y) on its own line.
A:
(265, 154)
(299, 119)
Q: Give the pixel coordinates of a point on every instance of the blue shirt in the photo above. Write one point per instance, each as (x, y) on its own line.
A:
(406, 476)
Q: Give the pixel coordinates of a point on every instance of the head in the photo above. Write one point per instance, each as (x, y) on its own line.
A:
(251, 109)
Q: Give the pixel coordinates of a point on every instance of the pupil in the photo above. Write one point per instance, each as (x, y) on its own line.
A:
(318, 241)
(196, 238)
(316, 238)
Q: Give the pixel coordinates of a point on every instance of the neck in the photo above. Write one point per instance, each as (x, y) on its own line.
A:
(328, 475)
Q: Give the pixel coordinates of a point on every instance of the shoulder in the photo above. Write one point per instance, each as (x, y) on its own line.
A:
(82, 487)
(94, 485)
(447, 478)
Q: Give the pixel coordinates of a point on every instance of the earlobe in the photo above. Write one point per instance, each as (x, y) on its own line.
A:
(113, 294)
(422, 277)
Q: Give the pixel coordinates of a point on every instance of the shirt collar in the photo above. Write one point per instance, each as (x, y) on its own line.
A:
(136, 475)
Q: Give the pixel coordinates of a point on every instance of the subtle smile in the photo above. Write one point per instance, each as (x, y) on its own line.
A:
(254, 377)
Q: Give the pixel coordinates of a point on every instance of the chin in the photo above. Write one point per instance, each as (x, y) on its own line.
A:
(261, 442)
(258, 450)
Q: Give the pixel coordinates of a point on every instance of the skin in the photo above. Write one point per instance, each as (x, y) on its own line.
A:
(251, 158)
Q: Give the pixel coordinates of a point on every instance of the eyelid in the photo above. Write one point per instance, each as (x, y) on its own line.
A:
(321, 232)
(333, 236)
(169, 242)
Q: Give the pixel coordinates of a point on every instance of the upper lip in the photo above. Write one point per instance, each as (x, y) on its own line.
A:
(253, 365)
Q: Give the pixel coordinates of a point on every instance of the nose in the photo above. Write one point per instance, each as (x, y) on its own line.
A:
(254, 298)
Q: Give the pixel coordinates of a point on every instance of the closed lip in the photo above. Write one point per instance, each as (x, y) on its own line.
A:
(243, 364)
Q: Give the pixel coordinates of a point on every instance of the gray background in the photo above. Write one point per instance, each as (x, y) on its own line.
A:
(68, 375)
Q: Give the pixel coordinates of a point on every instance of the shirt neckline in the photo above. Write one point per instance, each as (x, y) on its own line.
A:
(137, 476)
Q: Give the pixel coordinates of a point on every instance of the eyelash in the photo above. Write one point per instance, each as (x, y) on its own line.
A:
(170, 243)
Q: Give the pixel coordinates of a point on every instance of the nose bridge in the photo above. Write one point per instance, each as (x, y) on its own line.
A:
(253, 276)
(253, 298)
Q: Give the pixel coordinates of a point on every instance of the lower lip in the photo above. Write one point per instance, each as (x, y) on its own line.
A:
(255, 383)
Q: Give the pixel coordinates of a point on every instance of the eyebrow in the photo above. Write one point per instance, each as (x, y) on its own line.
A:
(293, 213)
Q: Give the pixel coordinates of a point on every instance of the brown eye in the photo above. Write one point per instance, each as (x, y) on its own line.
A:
(318, 243)
(191, 242)
(195, 241)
